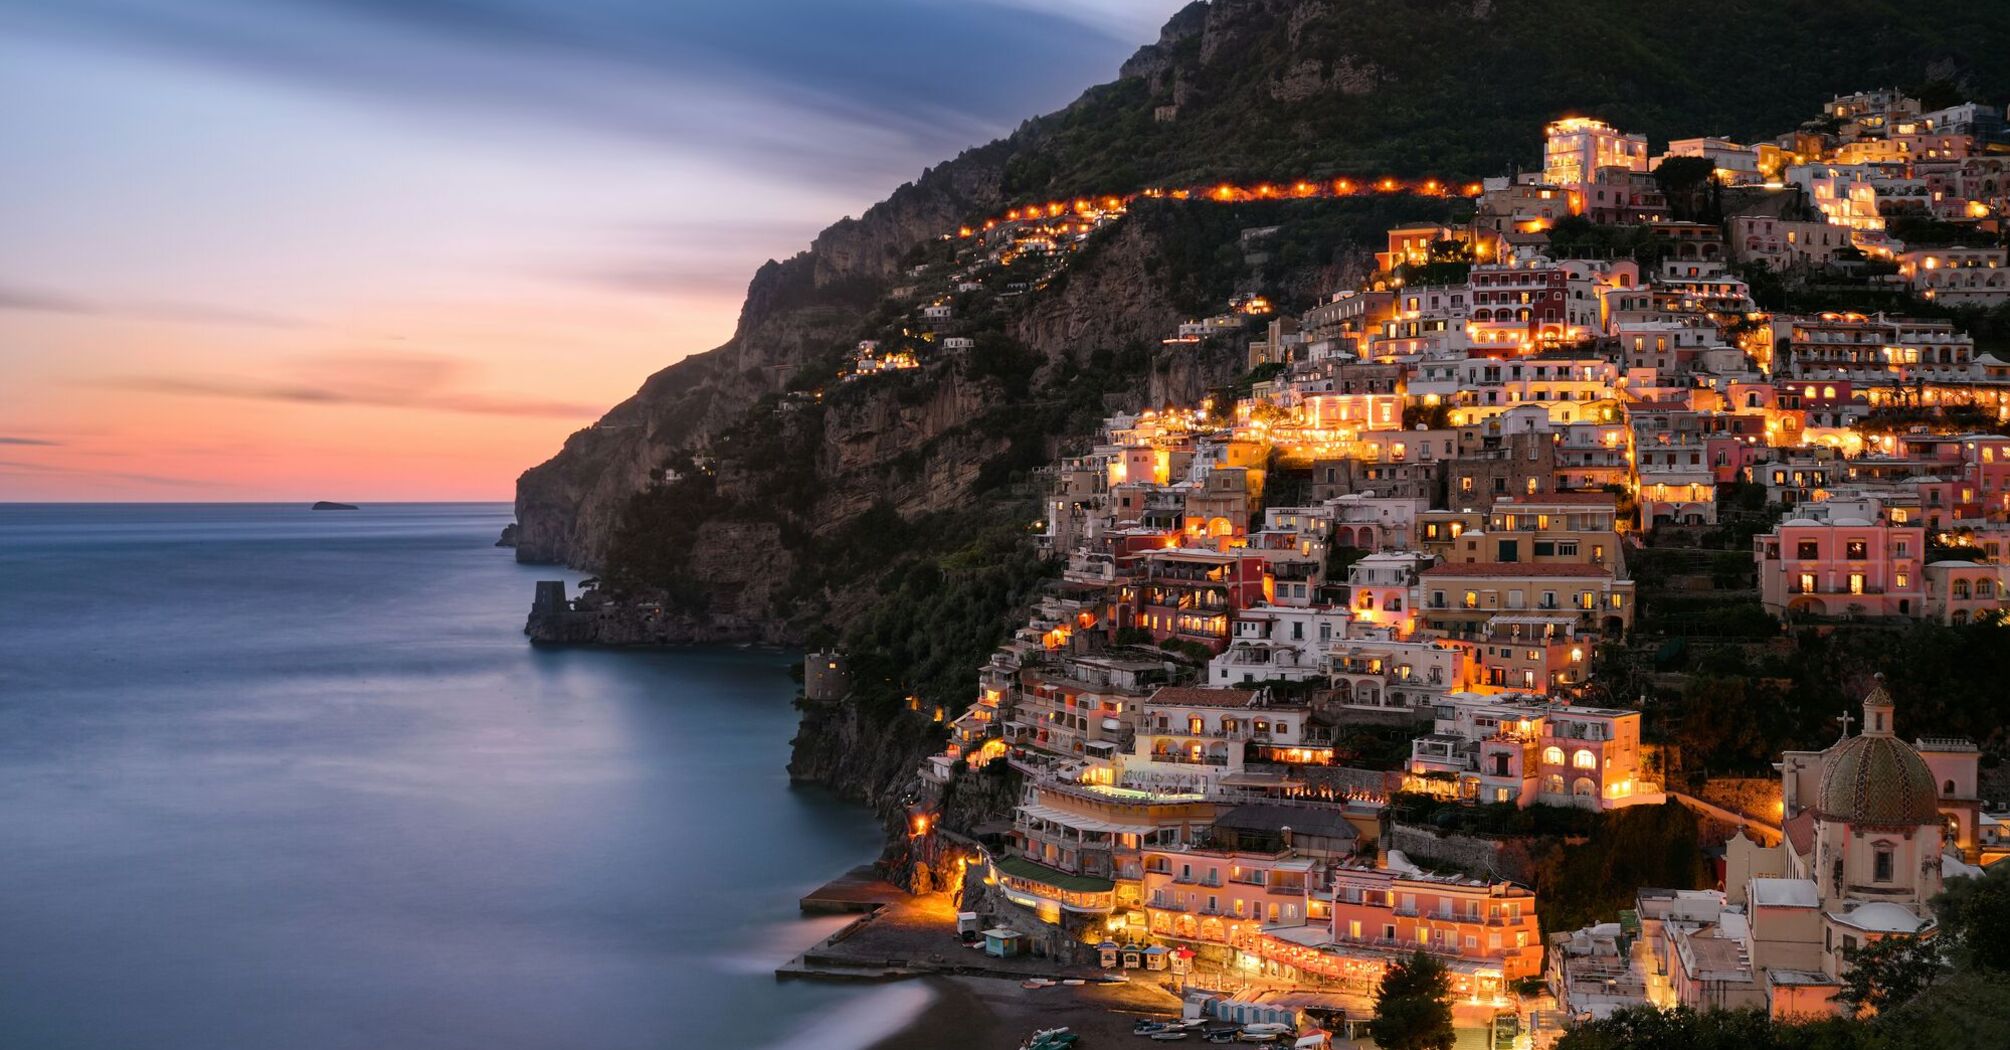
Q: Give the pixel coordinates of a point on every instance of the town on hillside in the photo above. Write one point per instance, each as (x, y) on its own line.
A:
(1326, 678)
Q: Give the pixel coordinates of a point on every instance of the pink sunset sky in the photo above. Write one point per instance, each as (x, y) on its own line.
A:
(342, 249)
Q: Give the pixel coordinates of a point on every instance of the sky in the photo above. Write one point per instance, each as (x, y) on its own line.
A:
(399, 249)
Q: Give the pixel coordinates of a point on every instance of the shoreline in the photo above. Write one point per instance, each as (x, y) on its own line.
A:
(995, 1013)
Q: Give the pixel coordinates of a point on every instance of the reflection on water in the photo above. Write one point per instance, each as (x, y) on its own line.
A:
(275, 778)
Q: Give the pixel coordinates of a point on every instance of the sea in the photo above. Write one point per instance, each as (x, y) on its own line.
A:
(281, 778)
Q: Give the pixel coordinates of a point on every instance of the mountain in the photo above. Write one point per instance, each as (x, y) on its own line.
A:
(749, 493)
(1257, 89)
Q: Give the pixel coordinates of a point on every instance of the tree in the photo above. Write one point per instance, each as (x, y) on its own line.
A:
(1413, 1009)
(1888, 972)
(1973, 914)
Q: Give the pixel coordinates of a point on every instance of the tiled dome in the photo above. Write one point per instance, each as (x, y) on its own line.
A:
(1876, 778)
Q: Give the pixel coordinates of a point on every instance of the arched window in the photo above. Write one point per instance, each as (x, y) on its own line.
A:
(1552, 784)
(1960, 589)
(1584, 759)
(1583, 787)
(1552, 756)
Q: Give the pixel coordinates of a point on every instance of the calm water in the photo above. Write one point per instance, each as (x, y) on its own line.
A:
(274, 778)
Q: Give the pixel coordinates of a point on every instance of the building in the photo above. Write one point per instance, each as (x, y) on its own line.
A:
(1842, 558)
(1575, 148)
(1956, 276)
(1504, 748)
(1191, 594)
(1279, 643)
(1459, 600)
(1558, 528)
(1783, 244)
(1866, 846)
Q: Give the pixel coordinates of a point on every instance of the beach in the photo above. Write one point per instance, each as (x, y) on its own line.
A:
(989, 1013)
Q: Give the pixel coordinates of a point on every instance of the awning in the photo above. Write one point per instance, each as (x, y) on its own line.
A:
(1067, 818)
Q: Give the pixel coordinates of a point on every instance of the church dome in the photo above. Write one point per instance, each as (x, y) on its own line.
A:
(1876, 778)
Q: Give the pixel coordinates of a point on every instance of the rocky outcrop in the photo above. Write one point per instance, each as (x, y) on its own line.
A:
(868, 760)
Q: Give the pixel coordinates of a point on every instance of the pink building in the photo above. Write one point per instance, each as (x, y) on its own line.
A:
(1548, 753)
(1842, 558)
(1486, 932)
(1225, 896)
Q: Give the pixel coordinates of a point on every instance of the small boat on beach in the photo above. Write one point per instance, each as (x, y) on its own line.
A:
(1167, 1035)
(1050, 1039)
(1037, 982)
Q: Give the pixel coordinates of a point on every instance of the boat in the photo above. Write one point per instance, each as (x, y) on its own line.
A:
(1247, 1036)
(1074, 982)
(1146, 1026)
(1267, 1027)
(1037, 982)
(1167, 1035)
(1050, 1039)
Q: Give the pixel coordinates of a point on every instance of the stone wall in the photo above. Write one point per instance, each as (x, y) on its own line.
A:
(1755, 797)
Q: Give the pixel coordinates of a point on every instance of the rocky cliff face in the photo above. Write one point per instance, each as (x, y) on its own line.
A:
(568, 507)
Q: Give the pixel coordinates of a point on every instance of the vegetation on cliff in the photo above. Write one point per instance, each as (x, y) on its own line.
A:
(1584, 865)
(1256, 89)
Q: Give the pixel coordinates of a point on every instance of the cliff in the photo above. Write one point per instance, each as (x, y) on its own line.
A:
(568, 507)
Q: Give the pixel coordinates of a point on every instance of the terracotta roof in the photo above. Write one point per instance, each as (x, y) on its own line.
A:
(1517, 568)
(1201, 696)
(1800, 832)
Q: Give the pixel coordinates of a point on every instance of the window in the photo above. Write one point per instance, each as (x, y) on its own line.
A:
(1808, 550)
(1856, 550)
(1552, 756)
(1584, 759)
(1806, 584)
(1880, 868)
(1856, 583)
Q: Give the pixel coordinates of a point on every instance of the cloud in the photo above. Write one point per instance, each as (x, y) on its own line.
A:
(25, 469)
(9, 439)
(416, 381)
(845, 82)
(35, 300)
